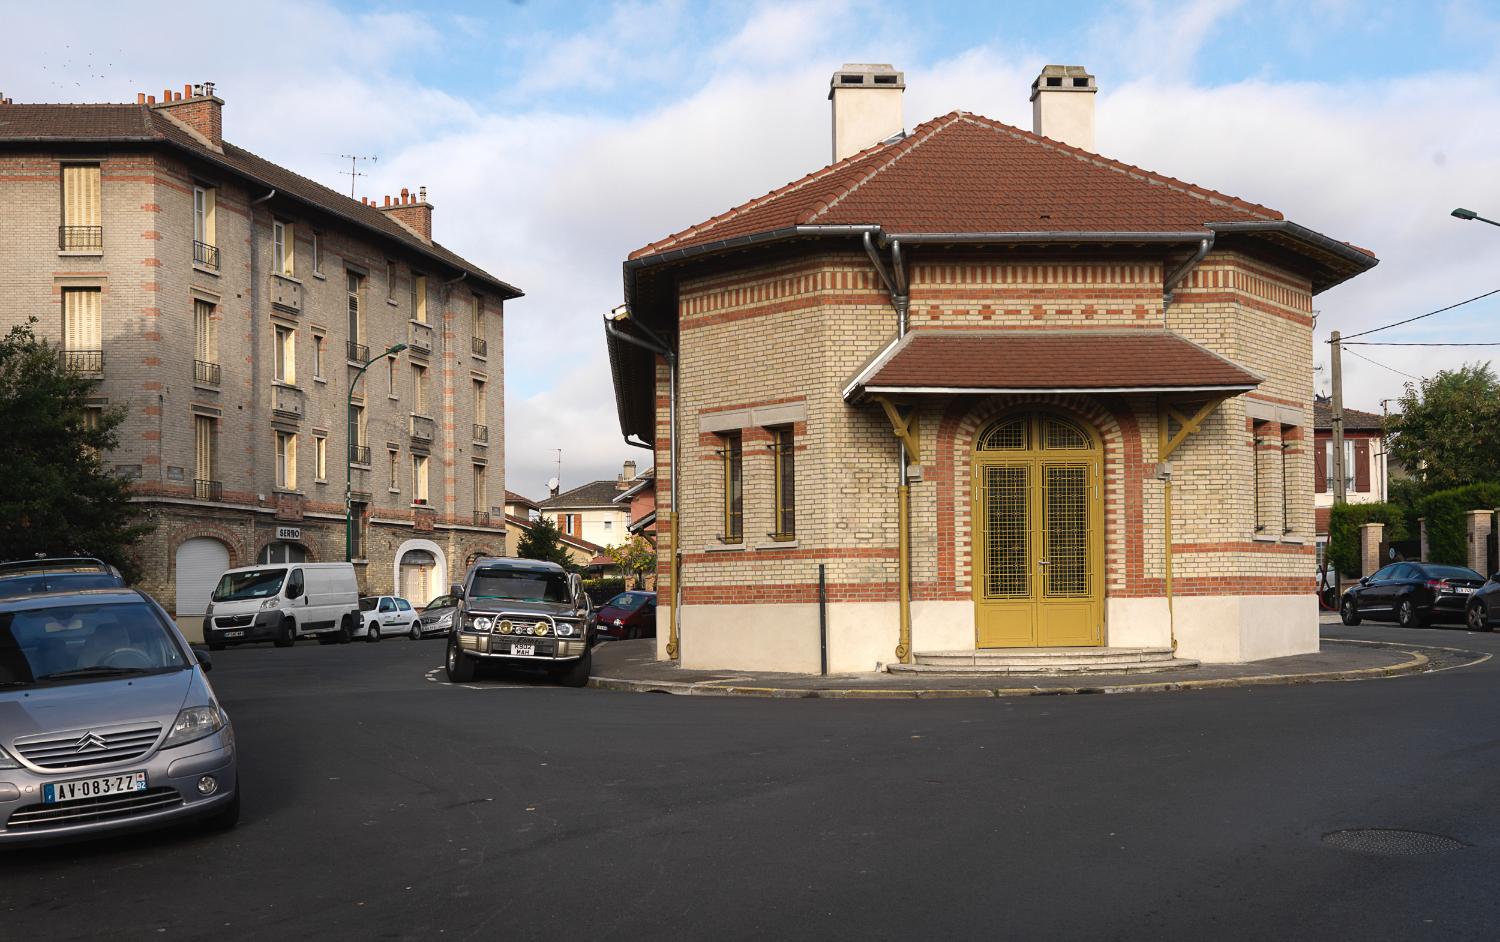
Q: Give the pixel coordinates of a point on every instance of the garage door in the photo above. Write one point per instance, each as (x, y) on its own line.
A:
(200, 563)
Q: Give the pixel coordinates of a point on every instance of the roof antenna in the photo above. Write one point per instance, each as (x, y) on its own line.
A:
(354, 170)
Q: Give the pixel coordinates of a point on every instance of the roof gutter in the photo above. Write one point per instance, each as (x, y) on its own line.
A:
(1174, 278)
(1312, 237)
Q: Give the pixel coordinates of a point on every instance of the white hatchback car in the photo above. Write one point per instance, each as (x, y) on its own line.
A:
(381, 616)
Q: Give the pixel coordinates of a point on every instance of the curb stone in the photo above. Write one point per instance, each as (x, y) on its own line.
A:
(1417, 662)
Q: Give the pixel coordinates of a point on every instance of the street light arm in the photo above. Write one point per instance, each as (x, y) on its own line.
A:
(1469, 214)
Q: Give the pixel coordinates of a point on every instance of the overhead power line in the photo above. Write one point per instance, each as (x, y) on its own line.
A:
(1399, 343)
(1383, 366)
(1420, 316)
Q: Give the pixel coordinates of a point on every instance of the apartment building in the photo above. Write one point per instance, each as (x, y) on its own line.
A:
(242, 314)
(973, 393)
(589, 512)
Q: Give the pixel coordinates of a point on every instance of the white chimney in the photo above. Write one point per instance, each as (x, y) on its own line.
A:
(1062, 105)
(866, 106)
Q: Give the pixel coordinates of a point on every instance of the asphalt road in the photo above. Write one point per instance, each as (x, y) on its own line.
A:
(381, 804)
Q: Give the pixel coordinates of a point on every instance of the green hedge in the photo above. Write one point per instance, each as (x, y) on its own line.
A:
(1343, 531)
(1447, 512)
(604, 589)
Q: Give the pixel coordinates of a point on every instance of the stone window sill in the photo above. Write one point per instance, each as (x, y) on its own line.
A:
(724, 547)
(205, 269)
(85, 254)
(777, 545)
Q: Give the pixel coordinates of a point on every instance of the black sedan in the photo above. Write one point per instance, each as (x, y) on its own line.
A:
(1414, 594)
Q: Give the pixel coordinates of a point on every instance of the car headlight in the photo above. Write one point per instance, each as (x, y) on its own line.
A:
(445, 620)
(208, 610)
(194, 723)
(619, 624)
(481, 623)
(6, 762)
(566, 630)
(269, 604)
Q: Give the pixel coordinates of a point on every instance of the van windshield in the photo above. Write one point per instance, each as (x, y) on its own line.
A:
(250, 584)
(73, 643)
(518, 586)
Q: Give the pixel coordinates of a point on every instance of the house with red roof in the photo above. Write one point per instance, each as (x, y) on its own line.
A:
(978, 394)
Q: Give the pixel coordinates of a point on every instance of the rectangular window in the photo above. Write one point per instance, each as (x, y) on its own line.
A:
(419, 479)
(481, 490)
(93, 418)
(205, 235)
(419, 298)
(395, 474)
(82, 228)
(1261, 484)
(320, 457)
(356, 323)
(358, 453)
(320, 361)
(783, 450)
(419, 389)
(83, 331)
(203, 442)
(1289, 437)
(390, 280)
(1349, 470)
(480, 412)
(286, 355)
(733, 456)
(478, 316)
(286, 460)
(390, 378)
(283, 247)
(359, 513)
(317, 253)
(206, 331)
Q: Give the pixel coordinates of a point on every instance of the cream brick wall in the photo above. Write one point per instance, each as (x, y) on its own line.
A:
(149, 282)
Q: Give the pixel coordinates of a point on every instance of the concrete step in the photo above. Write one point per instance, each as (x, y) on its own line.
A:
(1045, 661)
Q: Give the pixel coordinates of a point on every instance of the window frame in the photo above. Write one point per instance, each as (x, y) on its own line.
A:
(418, 389)
(419, 478)
(783, 449)
(320, 354)
(320, 458)
(732, 455)
(286, 460)
(284, 354)
(284, 248)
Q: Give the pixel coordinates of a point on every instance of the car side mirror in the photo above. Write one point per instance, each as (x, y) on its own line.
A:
(1364, 580)
(205, 660)
(456, 590)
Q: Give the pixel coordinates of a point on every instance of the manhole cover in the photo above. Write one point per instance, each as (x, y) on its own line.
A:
(1391, 842)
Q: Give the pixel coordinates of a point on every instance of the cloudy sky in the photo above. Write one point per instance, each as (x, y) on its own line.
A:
(554, 138)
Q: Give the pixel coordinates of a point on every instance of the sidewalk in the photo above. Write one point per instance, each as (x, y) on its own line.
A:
(631, 665)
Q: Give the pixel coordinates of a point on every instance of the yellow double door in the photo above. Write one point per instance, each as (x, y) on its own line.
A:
(1038, 551)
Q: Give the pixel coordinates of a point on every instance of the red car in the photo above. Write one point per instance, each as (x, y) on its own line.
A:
(628, 615)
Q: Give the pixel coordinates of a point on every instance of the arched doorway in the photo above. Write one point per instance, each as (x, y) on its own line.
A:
(282, 552)
(421, 571)
(200, 562)
(1038, 533)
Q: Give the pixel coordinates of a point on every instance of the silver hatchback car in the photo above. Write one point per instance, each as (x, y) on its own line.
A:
(107, 721)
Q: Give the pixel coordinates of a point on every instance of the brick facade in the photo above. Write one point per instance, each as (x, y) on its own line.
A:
(149, 281)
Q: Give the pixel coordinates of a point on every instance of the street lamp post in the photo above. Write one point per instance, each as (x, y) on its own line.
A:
(349, 452)
(1469, 214)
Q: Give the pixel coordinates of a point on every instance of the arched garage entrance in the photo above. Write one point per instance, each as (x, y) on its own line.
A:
(421, 571)
(200, 562)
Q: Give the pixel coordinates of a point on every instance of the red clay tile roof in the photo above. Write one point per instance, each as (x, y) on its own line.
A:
(104, 123)
(966, 173)
(1355, 420)
(1045, 360)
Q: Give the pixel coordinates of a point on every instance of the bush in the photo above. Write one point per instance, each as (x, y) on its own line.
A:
(1343, 531)
(1447, 524)
(603, 589)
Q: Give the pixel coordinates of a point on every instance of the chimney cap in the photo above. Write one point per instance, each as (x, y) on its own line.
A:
(1063, 78)
(866, 75)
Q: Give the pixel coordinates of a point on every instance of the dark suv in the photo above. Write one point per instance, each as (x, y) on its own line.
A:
(521, 612)
(38, 576)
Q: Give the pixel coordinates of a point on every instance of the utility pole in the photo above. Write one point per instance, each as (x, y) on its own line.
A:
(1337, 368)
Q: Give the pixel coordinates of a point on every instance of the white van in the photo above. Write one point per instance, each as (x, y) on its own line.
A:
(283, 602)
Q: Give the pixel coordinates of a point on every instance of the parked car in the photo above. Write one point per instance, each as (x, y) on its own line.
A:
(437, 617)
(517, 612)
(1484, 606)
(107, 720)
(1414, 594)
(56, 574)
(281, 603)
(628, 615)
(385, 615)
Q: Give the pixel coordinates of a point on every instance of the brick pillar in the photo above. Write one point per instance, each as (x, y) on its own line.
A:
(1370, 535)
(1479, 523)
(1422, 532)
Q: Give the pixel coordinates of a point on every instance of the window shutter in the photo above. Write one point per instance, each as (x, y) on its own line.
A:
(81, 196)
(204, 427)
(1362, 465)
(1320, 467)
(81, 316)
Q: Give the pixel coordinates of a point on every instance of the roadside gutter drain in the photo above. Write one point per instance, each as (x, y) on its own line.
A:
(1391, 842)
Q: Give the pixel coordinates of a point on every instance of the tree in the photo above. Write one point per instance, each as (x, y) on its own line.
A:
(56, 498)
(544, 542)
(1448, 431)
(636, 557)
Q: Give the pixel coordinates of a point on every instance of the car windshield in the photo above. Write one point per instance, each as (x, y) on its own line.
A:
(70, 643)
(514, 585)
(1452, 572)
(627, 601)
(368, 605)
(34, 583)
(442, 601)
(250, 584)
